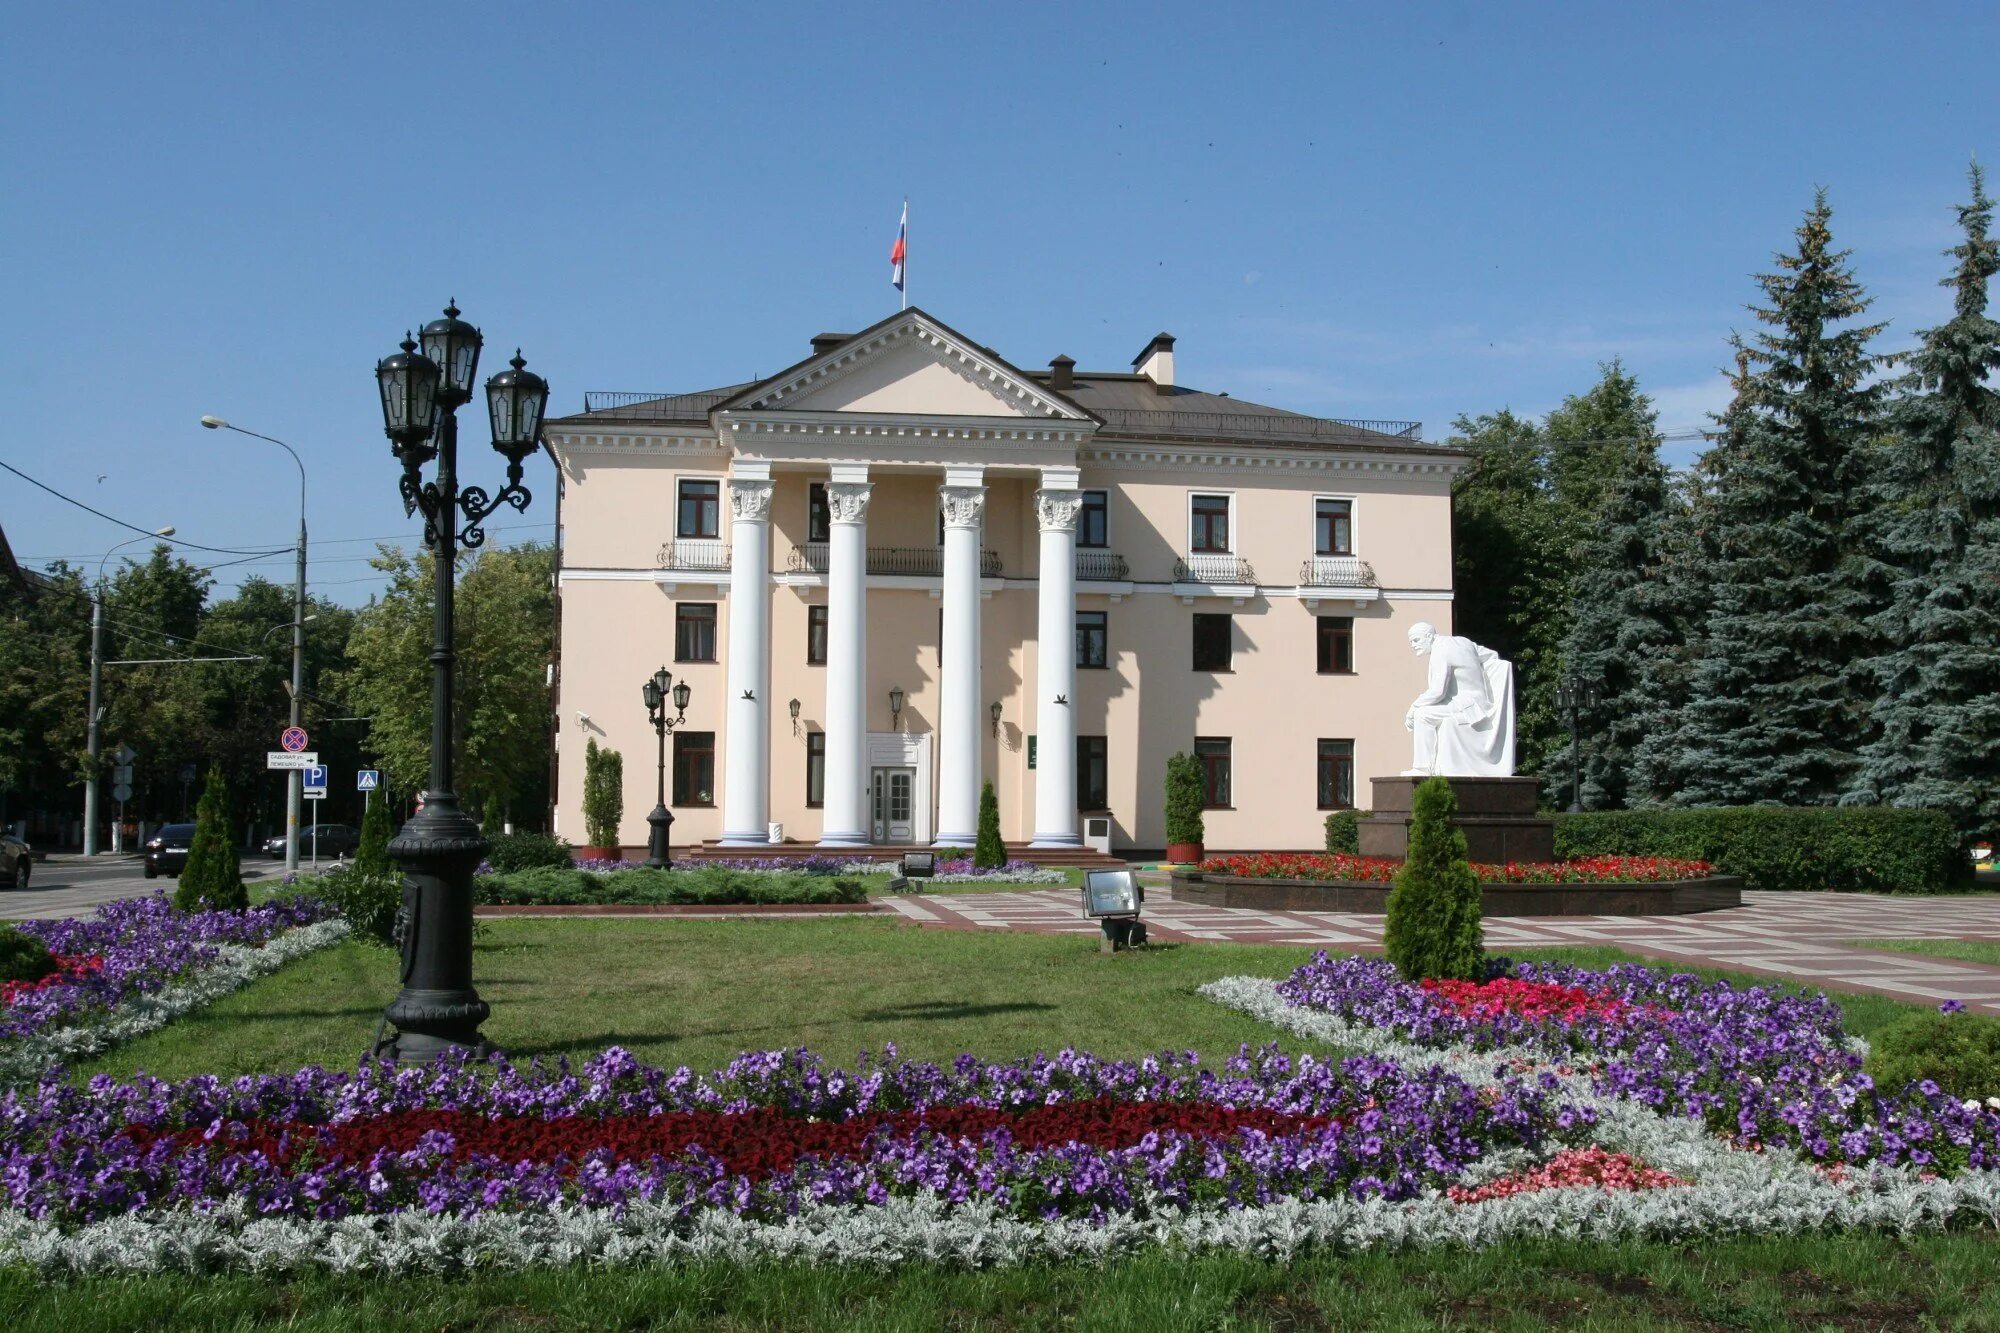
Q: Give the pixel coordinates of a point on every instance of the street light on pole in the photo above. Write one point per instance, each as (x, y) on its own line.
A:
(1572, 697)
(657, 691)
(294, 785)
(97, 685)
(438, 1008)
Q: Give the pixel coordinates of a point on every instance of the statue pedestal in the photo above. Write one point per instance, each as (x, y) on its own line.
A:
(1497, 816)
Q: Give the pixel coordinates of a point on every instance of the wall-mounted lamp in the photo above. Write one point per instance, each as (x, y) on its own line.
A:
(994, 713)
(793, 709)
(896, 697)
(582, 718)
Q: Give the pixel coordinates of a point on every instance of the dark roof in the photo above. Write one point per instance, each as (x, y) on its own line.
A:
(23, 581)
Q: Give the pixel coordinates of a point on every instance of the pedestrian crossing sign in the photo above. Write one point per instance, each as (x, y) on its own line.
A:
(368, 779)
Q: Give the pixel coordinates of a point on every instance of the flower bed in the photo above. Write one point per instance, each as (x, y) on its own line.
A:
(1380, 870)
(1339, 882)
(136, 963)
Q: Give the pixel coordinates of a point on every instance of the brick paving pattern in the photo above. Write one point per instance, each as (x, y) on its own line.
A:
(1798, 935)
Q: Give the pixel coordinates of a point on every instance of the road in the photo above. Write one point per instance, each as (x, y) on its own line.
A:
(71, 886)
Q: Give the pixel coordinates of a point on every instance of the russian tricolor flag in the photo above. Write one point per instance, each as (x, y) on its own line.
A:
(896, 251)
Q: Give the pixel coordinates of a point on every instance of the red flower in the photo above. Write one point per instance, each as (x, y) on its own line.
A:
(1568, 1168)
(70, 968)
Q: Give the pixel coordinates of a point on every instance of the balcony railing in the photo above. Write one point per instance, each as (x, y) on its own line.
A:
(1102, 567)
(1336, 571)
(701, 556)
(1213, 567)
(920, 561)
(1254, 425)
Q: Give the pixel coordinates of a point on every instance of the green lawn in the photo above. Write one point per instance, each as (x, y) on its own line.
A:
(1968, 951)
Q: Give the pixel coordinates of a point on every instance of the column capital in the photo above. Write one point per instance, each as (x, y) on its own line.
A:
(750, 498)
(847, 501)
(1058, 509)
(962, 505)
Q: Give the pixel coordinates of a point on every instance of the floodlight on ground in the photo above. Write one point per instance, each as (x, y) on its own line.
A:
(919, 865)
(1113, 898)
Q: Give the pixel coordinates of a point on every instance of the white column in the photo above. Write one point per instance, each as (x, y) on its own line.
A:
(1055, 671)
(746, 766)
(961, 712)
(846, 794)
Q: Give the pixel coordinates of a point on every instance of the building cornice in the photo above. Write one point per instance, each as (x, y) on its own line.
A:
(638, 441)
(863, 425)
(1223, 456)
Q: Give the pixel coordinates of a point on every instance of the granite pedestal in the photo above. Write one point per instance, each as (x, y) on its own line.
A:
(1497, 816)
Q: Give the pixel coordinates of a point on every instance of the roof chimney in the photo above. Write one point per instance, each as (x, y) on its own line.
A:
(1062, 373)
(1156, 363)
(826, 342)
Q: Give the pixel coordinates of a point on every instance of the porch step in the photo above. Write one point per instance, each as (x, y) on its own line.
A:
(1083, 857)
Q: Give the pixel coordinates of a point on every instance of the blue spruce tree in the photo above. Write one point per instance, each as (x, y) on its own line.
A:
(1776, 712)
(1936, 499)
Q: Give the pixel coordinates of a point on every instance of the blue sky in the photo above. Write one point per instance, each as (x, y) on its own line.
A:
(1379, 212)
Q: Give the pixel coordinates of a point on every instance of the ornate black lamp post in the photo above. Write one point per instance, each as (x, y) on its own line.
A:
(656, 691)
(1572, 697)
(438, 1009)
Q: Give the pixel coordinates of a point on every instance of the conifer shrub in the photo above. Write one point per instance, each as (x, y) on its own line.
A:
(603, 795)
(1187, 792)
(524, 851)
(368, 899)
(1871, 849)
(1343, 832)
(1432, 927)
(23, 957)
(212, 879)
(1959, 1052)
(989, 853)
(372, 856)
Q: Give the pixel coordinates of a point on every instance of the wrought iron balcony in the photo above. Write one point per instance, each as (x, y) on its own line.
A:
(1102, 567)
(702, 556)
(1336, 571)
(920, 561)
(1213, 567)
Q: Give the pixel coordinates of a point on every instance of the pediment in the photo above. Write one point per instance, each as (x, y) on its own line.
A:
(909, 365)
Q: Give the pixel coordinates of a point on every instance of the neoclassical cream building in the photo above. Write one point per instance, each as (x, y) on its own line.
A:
(903, 567)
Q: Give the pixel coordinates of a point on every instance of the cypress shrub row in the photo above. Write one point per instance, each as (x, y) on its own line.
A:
(1867, 848)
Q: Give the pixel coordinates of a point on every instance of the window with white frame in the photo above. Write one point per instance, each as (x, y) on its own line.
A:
(700, 510)
(1209, 525)
(1333, 525)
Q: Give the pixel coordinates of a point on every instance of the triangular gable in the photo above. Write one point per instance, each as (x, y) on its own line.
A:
(908, 365)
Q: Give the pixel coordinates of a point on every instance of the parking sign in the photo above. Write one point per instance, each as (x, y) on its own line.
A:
(316, 778)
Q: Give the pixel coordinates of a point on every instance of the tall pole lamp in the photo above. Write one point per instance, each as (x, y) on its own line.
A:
(1572, 697)
(657, 690)
(96, 718)
(437, 1009)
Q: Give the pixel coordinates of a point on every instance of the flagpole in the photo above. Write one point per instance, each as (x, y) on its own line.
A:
(906, 252)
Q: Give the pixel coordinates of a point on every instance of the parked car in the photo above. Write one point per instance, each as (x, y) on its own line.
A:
(167, 850)
(14, 858)
(335, 840)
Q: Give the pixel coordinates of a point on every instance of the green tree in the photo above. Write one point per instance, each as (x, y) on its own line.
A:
(989, 852)
(372, 856)
(212, 878)
(603, 795)
(44, 693)
(1935, 511)
(1776, 712)
(1432, 927)
(1186, 793)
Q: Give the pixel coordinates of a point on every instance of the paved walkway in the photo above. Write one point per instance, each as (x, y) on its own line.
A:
(1798, 935)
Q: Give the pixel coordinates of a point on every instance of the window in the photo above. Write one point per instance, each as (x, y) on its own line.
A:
(1208, 517)
(819, 519)
(1336, 645)
(1091, 635)
(1213, 752)
(1211, 642)
(1333, 527)
(1336, 775)
(701, 509)
(815, 769)
(1093, 773)
(694, 632)
(1093, 525)
(815, 636)
(694, 768)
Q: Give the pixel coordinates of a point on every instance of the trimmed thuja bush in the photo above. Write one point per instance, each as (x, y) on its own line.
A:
(1343, 832)
(603, 795)
(1186, 793)
(525, 851)
(212, 879)
(989, 853)
(22, 957)
(1432, 928)
(1782, 847)
(1959, 1052)
(372, 856)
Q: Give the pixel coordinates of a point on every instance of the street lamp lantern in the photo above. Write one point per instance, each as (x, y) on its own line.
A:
(896, 697)
(656, 691)
(453, 346)
(1573, 696)
(409, 382)
(681, 696)
(515, 400)
(650, 692)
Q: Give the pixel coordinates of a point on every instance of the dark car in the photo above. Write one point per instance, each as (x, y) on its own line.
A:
(14, 858)
(335, 841)
(167, 850)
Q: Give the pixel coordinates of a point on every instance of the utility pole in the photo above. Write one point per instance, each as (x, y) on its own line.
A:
(296, 779)
(96, 686)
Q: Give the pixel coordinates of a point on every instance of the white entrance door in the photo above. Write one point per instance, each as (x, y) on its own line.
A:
(894, 792)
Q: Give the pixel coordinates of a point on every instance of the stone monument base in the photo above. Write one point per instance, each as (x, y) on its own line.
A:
(1497, 816)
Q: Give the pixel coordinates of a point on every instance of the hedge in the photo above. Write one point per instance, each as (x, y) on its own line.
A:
(1343, 832)
(1856, 848)
(549, 885)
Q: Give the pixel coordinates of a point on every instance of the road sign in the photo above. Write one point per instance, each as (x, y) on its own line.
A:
(124, 754)
(316, 777)
(315, 793)
(121, 792)
(368, 779)
(294, 739)
(122, 775)
(189, 772)
(281, 759)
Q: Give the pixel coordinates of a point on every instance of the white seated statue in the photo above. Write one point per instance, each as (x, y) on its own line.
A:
(1463, 722)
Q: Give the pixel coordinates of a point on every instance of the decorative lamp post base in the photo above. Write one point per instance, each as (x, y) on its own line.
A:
(438, 850)
(658, 855)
